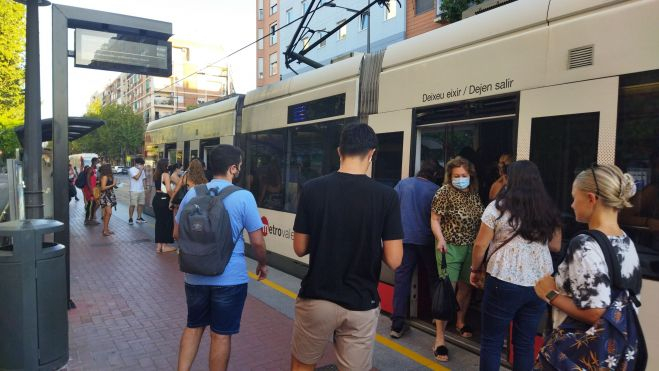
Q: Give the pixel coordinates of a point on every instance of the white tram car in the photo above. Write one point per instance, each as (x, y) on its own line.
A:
(563, 83)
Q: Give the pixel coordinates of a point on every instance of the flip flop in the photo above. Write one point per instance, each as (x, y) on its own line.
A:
(441, 353)
(465, 331)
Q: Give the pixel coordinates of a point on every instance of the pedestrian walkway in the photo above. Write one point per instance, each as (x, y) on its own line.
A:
(131, 310)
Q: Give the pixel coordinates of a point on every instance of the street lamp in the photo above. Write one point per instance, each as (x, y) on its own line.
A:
(368, 25)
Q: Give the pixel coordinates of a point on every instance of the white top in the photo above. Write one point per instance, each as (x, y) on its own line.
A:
(519, 261)
(136, 185)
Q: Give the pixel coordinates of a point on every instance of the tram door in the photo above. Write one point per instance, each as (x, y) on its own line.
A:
(390, 165)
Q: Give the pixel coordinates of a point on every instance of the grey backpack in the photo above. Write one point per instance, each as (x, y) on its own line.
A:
(205, 233)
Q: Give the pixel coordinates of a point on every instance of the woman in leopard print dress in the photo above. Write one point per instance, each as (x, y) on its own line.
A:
(455, 218)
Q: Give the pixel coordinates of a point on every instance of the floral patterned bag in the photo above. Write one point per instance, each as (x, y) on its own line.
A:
(614, 342)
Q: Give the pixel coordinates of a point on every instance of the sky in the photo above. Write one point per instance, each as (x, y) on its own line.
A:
(230, 24)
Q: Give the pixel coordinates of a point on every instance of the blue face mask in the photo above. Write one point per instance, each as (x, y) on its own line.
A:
(460, 183)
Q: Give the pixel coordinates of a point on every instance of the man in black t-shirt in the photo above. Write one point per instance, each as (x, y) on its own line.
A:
(347, 223)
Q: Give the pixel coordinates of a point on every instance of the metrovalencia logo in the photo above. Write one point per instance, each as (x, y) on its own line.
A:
(274, 230)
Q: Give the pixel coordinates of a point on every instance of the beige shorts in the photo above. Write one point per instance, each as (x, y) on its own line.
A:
(136, 198)
(318, 321)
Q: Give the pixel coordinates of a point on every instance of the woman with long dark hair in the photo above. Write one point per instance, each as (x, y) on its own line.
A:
(160, 203)
(520, 227)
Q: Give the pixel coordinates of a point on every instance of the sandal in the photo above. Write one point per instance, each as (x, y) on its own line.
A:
(465, 331)
(106, 234)
(441, 353)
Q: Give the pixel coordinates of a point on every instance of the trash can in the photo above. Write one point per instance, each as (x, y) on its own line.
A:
(33, 309)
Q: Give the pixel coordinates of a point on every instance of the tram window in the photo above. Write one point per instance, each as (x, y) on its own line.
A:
(313, 153)
(562, 146)
(637, 153)
(265, 164)
(389, 158)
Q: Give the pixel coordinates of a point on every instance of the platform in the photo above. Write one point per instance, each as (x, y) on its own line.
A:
(131, 310)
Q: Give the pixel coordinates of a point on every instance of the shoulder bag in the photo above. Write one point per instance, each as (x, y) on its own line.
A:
(444, 304)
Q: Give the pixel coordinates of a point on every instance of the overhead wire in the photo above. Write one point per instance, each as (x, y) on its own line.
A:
(230, 54)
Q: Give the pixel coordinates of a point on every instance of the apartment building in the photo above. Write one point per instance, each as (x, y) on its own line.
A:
(189, 86)
(267, 49)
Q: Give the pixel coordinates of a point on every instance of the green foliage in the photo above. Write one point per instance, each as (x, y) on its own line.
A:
(452, 9)
(12, 48)
(122, 134)
(12, 74)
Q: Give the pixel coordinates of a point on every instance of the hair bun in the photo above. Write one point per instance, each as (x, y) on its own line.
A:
(628, 189)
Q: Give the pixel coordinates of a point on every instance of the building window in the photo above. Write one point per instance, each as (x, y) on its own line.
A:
(260, 68)
(273, 64)
(391, 13)
(289, 15)
(259, 36)
(260, 11)
(422, 6)
(273, 33)
(363, 21)
(322, 33)
(305, 42)
(343, 31)
(273, 7)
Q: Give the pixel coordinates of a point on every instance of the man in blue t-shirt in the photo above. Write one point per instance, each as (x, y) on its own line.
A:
(218, 300)
(415, 195)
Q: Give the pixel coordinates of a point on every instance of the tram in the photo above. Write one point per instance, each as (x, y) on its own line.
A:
(562, 83)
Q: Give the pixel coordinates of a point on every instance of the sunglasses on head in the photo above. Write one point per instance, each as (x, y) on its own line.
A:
(597, 186)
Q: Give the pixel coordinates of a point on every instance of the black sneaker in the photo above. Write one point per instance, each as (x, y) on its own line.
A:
(397, 333)
(140, 220)
(130, 221)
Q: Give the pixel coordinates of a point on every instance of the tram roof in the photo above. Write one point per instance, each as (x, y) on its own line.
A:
(335, 72)
(225, 105)
(489, 25)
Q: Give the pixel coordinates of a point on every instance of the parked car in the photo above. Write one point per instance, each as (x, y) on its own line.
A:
(117, 169)
(124, 169)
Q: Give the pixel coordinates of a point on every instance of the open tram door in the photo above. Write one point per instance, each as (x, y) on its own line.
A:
(480, 130)
(391, 164)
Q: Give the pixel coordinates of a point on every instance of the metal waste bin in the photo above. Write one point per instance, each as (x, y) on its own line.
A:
(33, 299)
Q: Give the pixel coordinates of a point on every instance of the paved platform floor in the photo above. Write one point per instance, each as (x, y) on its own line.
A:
(131, 310)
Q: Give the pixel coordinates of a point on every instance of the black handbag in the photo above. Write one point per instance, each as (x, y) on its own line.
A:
(444, 304)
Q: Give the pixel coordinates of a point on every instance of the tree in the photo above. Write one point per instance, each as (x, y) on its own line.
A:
(122, 134)
(12, 74)
(452, 9)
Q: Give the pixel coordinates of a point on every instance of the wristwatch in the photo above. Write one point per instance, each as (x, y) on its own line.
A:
(551, 295)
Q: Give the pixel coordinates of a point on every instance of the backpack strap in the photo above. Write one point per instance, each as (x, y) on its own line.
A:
(201, 190)
(226, 191)
(612, 264)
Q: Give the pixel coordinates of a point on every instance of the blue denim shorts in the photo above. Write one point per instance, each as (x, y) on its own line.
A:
(218, 306)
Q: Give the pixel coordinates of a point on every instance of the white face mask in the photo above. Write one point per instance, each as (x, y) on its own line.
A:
(461, 183)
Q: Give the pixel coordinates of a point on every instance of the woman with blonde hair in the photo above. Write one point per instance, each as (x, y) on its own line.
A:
(454, 220)
(584, 289)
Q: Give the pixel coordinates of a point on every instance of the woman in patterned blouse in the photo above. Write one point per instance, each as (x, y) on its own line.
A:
(456, 210)
(521, 225)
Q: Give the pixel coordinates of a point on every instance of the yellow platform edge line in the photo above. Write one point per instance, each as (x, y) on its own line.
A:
(416, 357)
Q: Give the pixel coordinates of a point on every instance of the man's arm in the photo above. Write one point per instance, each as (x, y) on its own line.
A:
(139, 173)
(392, 254)
(301, 244)
(258, 245)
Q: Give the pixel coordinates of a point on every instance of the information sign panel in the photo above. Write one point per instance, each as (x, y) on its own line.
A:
(123, 52)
